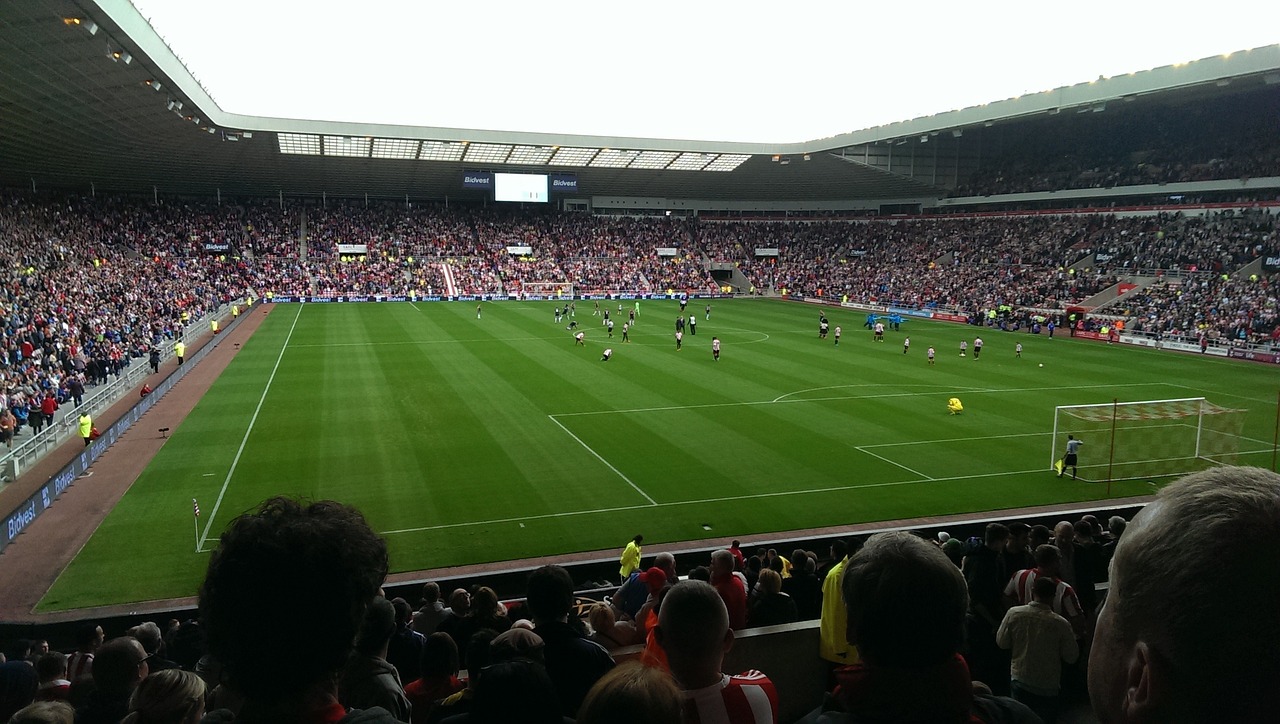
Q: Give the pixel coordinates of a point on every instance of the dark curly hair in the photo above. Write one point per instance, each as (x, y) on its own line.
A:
(289, 583)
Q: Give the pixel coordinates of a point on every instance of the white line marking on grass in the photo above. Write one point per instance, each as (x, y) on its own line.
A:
(780, 398)
(887, 460)
(1201, 393)
(702, 501)
(606, 462)
(236, 461)
(955, 439)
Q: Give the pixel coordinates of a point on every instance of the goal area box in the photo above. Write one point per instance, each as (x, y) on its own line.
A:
(1148, 439)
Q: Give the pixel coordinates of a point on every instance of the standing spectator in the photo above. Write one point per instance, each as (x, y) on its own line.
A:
(1041, 641)
(323, 553)
(51, 668)
(179, 351)
(630, 560)
(985, 574)
(1187, 632)
(7, 424)
(732, 588)
(118, 667)
(1019, 591)
(805, 589)
(906, 606)
(154, 360)
(368, 680)
(80, 662)
(574, 662)
(693, 628)
(833, 643)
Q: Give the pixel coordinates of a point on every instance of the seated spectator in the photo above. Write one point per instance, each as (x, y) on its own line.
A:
(770, 606)
(323, 553)
(609, 632)
(431, 612)
(457, 623)
(906, 606)
(405, 650)
(693, 628)
(488, 612)
(439, 667)
(1184, 634)
(632, 694)
(574, 662)
(45, 712)
(368, 680)
(462, 702)
(168, 696)
(148, 634)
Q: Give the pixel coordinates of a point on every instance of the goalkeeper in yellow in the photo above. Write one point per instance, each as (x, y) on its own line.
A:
(954, 406)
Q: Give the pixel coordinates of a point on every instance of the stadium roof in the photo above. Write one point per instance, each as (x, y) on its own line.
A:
(90, 94)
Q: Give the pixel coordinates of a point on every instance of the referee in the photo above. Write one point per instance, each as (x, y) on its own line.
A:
(1069, 460)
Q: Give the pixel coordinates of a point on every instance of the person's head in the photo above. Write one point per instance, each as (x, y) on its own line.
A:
(667, 563)
(702, 573)
(995, 535)
(45, 712)
(377, 628)
(1048, 559)
(516, 689)
(89, 637)
(722, 564)
(735, 545)
(601, 617)
(404, 612)
(485, 603)
(1039, 536)
(460, 602)
(148, 634)
(439, 657)
(51, 666)
(638, 539)
(550, 594)
(632, 693)
(1043, 590)
(1018, 533)
(479, 654)
(839, 549)
(1064, 532)
(18, 650)
(905, 601)
(323, 554)
(430, 593)
(1116, 526)
(770, 582)
(517, 643)
(18, 686)
(170, 696)
(1189, 631)
(693, 628)
(119, 665)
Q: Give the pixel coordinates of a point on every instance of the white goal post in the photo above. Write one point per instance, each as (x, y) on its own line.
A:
(1147, 439)
(547, 290)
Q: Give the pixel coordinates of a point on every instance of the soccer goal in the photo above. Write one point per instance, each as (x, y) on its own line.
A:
(547, 290)
(1148, 439)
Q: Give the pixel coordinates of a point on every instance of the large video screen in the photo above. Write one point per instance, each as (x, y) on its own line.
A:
(527, 187)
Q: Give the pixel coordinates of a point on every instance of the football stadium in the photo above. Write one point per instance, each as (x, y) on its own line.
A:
(521, 348)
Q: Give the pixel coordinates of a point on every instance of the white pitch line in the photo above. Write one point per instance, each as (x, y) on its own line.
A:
(780, 401)
(606, 462)
(724, 499)
(887, 460)
(236, 461)
(955, 439)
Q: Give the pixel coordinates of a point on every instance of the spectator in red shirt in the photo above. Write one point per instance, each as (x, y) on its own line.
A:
(731, 587)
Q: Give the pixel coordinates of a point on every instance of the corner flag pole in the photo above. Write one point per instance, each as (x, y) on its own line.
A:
(195, 520)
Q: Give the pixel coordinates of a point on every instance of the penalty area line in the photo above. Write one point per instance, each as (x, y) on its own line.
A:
(601, 459)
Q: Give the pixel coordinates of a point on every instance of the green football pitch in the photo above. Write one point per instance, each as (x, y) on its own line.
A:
(468, 440)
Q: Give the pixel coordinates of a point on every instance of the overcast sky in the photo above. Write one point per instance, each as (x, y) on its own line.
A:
(772, 72)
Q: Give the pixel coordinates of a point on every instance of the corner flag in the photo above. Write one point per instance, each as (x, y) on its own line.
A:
(1056, 466)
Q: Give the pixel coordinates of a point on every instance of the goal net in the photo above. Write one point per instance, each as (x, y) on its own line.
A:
(1149, 439)
(547, 290)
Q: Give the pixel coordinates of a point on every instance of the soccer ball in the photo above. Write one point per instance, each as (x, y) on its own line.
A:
(1042, 364)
